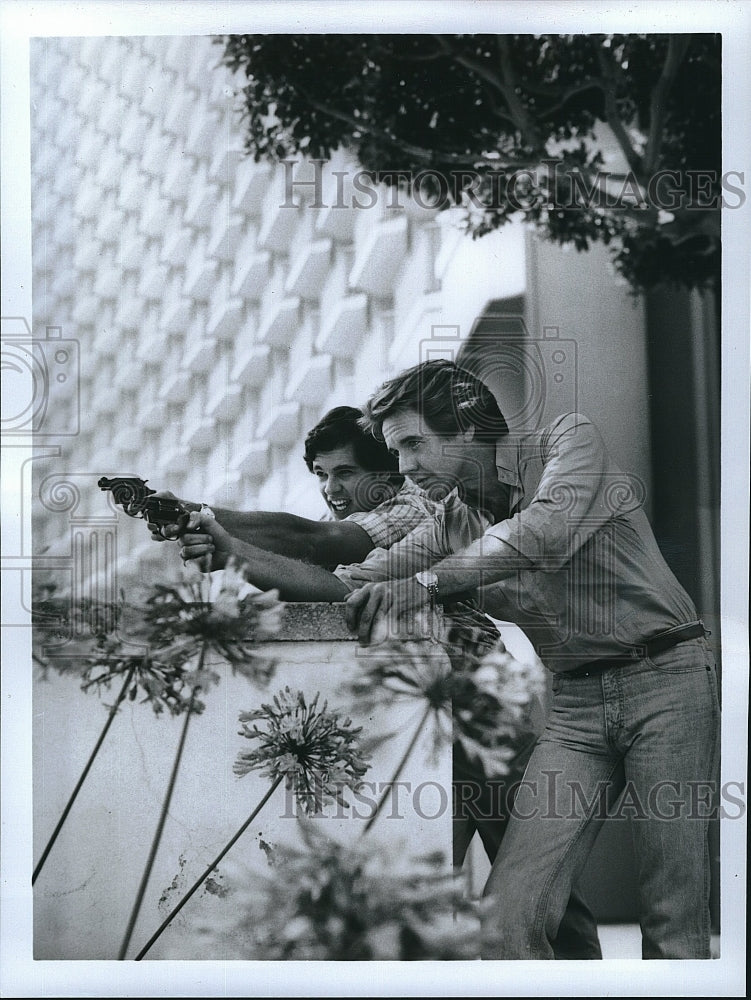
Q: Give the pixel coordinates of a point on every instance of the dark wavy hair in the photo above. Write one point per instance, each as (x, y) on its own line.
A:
(340, 427)
(449, 398)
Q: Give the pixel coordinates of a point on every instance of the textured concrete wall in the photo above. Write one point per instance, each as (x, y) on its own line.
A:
(215, 321)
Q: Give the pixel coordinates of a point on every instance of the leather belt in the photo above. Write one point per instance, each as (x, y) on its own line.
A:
(649, 648)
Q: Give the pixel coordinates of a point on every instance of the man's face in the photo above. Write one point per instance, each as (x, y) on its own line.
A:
(436, 462)
(345, 485)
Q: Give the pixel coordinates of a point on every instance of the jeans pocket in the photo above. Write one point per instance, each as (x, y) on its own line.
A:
(684, 658)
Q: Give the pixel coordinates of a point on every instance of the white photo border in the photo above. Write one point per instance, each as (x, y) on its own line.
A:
(21, 975)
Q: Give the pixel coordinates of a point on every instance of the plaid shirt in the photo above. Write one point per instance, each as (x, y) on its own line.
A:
(451, 527)
(397, 517)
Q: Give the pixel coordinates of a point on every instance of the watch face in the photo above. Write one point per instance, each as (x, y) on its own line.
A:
(427, 579)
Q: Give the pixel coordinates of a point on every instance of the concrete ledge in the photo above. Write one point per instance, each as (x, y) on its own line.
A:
(306, 621)
(310, 622)
(303, 621)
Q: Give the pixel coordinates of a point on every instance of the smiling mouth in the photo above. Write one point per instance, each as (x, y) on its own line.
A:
(338, 505)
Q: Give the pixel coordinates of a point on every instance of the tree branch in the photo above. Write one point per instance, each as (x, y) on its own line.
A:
(474, 65)
(677, 47)
(361, 125)
(612, 116)
(506, 85)
(429, 156)
(517, 107)
(497, 113)
(594, 84)
(439, 53)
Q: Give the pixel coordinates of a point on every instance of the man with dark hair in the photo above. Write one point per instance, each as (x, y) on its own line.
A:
(340, 430)
(571, 559)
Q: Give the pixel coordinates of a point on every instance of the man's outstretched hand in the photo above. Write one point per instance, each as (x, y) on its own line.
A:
(212, 546)
(374, 611)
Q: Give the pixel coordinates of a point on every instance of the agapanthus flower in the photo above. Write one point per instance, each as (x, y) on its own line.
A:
(64, 630)
(163, 683)
(230, 626)
(317, 754)
(328, 901)
(161, 643)
(479, 695)
(86, 641)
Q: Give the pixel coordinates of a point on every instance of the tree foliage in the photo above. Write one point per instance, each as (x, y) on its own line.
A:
(514, 124)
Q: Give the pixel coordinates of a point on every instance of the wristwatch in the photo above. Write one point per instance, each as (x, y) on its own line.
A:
(429, 580)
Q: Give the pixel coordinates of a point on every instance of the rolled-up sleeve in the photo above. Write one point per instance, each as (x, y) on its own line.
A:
(395, 518)
(453, 528)
(417, 550)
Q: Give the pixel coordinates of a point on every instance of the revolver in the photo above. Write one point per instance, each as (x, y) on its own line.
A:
(137, 500)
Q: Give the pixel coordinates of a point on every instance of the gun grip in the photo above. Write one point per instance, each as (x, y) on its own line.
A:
(182, 523)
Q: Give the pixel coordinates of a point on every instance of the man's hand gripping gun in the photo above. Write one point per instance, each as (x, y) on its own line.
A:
(137, 500)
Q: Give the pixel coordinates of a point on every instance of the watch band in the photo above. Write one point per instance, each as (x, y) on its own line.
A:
(428, 579)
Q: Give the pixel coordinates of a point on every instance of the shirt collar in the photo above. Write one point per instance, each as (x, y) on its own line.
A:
(408, 486)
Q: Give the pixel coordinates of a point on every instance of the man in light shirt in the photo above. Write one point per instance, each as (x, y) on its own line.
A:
(571, 558)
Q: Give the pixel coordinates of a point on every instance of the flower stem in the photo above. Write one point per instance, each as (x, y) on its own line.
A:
(84, 773)
(163, 816)
(400, 767)
(197, 884)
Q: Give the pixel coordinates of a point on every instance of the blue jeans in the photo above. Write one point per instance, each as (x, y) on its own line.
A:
(484, 807)
(648, 731)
